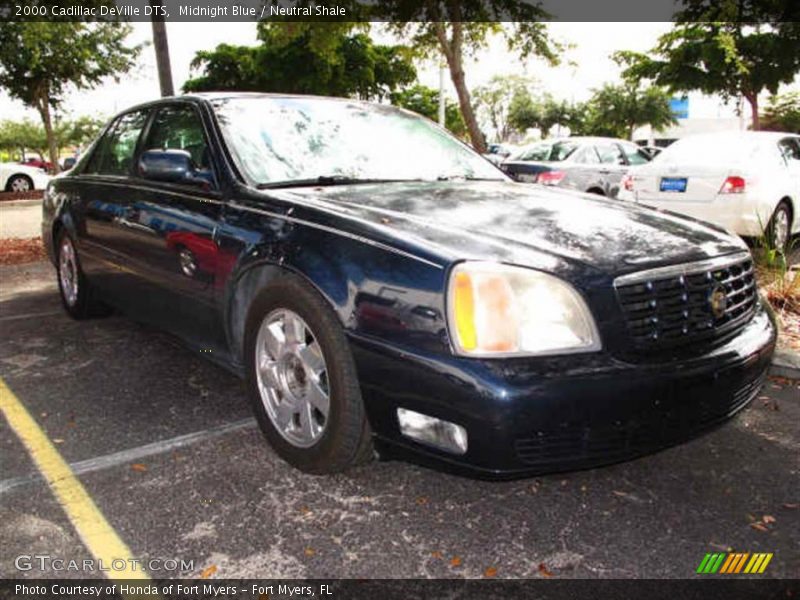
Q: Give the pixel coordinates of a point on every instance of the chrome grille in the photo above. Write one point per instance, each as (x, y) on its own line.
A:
(670, 307)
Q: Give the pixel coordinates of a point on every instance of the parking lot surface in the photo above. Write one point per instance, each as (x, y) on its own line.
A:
(165, 445)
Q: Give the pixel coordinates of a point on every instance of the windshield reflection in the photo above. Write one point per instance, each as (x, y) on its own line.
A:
(288, 139)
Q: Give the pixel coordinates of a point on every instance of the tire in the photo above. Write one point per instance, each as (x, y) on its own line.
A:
(19, 183)
(285, 391)
(77, 295)
(779, 229)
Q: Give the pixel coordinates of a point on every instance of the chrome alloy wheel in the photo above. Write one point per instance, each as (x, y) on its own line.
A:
(292, 378)
(68, 271)
(20, 184)
(781, 229)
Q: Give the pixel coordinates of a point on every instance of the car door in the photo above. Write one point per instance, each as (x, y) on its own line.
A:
(612, 168)
(583, 172)
(174, 229)
(104, 200)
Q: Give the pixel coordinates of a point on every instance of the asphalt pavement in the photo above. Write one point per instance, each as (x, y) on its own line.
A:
(164, 444)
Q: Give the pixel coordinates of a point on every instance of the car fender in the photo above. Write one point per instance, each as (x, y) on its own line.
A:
(356, 278)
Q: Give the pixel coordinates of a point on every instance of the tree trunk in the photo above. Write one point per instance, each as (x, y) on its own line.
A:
(752, 98)
(452, 50)
(162, 53)
(43, 105)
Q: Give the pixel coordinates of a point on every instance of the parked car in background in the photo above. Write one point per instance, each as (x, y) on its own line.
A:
(15, 177)
(38, 163)
(747, 182)
(379, 285)
(497, 153)
(587, 164)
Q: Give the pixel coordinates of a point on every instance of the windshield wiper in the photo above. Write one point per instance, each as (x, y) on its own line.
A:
(324, 180)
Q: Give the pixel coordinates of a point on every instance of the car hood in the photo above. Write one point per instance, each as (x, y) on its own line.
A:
(520, 223)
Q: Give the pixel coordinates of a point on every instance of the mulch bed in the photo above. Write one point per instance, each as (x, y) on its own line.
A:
(17, 251)
(32, 195)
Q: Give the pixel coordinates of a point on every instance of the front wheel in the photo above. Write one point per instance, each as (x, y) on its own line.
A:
(302, 382)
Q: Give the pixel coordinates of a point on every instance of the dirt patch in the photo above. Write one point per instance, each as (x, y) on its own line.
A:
(32, 195)
(17, 251)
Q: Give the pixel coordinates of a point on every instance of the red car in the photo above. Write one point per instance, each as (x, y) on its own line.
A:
(38, 163)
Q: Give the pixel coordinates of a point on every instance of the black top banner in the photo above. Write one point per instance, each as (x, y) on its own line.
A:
(396, 589)
(748, 11)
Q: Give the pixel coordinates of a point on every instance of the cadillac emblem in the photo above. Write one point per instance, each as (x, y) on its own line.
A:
(718, 301)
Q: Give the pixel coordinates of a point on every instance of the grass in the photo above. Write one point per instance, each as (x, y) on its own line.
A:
(780, 286)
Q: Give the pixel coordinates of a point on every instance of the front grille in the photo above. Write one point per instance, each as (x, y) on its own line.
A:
(669, 420)
(675, 309)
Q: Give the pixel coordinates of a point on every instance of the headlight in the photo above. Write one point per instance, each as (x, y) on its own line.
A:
(499, 310)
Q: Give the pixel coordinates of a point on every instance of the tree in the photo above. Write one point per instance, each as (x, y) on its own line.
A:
(783, 113)
(19, 136)
(543, 113)
(458, 30)
(345, 65)
(495, 99)
(40, 61)
(730, 58)
(616, 110)
(453, 29)
(425, 101)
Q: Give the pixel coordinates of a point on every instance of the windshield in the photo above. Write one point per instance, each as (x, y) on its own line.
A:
(548, 151)
(279, 140)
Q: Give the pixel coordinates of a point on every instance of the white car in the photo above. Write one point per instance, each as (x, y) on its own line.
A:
(21, 178)
(747, 182)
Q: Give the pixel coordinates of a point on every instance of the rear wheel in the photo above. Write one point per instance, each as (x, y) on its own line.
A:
(302, 381)
(77, 295)
(19, 183)
(780, 226)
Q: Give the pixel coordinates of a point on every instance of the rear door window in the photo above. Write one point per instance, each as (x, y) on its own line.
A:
(610, 154)
(790, 149)
(634, 154)
(587, 156)
(116, 151)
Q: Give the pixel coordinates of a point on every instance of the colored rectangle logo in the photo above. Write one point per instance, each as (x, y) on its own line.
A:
(733, 563)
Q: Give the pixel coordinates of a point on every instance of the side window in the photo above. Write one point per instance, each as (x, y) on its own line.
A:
(790, 149)
(587, 156)
(610, 154)
(116, 150)
(635, 155)
(180, 128)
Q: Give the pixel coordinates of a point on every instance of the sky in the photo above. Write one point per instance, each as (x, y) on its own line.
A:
(588, 66)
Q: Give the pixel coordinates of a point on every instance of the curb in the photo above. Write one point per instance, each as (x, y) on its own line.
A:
(785, 363)
(26, 202)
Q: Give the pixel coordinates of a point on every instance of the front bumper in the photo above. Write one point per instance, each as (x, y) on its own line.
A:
(532, 416)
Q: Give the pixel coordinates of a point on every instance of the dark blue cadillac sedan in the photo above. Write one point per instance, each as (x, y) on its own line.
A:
(382, 287)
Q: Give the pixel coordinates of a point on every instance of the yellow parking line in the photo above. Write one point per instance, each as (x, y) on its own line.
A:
(92, 527)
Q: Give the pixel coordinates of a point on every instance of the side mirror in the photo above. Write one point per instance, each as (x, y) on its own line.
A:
(174, 166)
